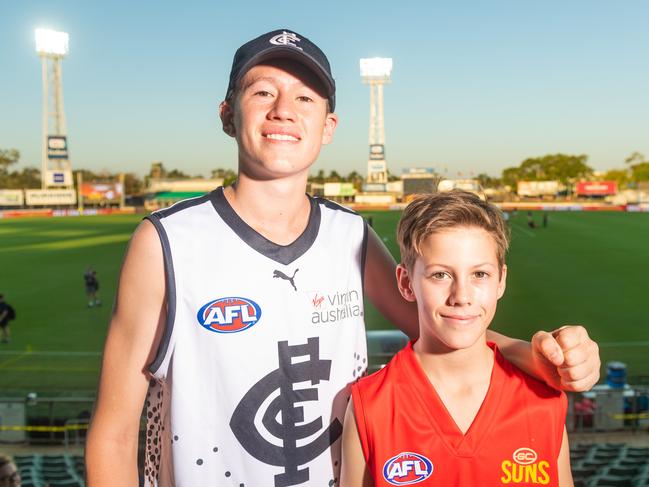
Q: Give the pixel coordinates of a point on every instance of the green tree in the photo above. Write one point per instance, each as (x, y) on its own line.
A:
(561, 167)
(334, 177)
(640, 172)
(487, 181)
(86, 175)
(133, 185)
(511, 176)
(157, 171)
(635, 158)
(7, 158)
(318, 178)
(177, 174)
(638, 167)
(228, 175)
(620, 176)
(356, 179)
(28, 178)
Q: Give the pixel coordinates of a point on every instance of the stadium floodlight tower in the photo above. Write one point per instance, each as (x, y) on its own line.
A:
(56, 172)
(376, 73)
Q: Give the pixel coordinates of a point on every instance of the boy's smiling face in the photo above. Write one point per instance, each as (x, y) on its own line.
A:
(279, 118)
(456, 282)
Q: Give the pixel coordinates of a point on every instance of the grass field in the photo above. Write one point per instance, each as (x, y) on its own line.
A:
(586, 268)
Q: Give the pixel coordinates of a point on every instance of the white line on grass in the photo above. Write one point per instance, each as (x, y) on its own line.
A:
(525, 231)
(16, 358)
(624, 344)
(59, 353)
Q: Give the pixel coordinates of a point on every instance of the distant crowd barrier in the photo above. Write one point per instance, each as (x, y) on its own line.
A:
(524, 206)
(50, 212)
(510, 206)
(571, 206)
(47, 429)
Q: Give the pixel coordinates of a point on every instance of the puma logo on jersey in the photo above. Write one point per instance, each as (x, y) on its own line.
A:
(281, 275)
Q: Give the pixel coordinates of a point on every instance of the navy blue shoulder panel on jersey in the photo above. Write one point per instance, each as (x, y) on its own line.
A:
(170, 292)
(364, 253)
(170, 281)
(181, 205)
(332, 205)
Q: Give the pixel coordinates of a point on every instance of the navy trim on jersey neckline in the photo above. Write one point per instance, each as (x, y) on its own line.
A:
(364, 253)
(283, 254)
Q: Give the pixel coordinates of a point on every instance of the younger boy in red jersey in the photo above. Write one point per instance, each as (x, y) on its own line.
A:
(449, 409)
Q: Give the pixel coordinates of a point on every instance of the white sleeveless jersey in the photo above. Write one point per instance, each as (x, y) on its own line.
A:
(261, 344)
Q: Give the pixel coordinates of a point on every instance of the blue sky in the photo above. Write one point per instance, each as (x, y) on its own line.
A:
(477, 85)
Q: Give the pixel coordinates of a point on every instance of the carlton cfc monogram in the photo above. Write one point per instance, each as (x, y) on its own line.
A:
(291, 429)
(286, 39)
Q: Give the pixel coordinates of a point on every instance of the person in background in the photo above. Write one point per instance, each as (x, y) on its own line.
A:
(92, 286)
(530, 220)
(7, 313)
(9, 474)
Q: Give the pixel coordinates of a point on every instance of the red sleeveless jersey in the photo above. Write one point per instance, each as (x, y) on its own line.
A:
(408, 436)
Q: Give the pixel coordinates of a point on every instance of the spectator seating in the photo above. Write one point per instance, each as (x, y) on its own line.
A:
(593, 465)
(51, 470)
(609, 465)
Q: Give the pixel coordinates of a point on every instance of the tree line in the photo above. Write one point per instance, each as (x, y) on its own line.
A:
(568, 169)
(560, 167)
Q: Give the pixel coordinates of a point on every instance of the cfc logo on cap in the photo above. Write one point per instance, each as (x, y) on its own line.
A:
(229, 315)
(407, 468)
(525, 469)
(286, 39)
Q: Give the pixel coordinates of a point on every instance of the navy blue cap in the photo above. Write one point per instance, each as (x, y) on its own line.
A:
(283, 44)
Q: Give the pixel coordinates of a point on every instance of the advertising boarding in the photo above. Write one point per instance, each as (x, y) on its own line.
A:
(11, 197)
(596, 188)
(101, 193)
(50, 197)
(538, 188)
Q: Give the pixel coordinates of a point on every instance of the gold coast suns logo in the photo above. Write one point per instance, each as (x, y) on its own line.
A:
(525, 469)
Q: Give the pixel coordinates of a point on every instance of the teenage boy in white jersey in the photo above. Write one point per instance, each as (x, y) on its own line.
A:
(280, 109)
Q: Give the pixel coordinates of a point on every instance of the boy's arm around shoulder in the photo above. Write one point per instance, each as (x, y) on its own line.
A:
(380, 285)
(353, 472)
(133, 336)
(566, 359)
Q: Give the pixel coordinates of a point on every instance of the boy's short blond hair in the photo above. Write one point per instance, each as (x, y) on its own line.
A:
(429, 214)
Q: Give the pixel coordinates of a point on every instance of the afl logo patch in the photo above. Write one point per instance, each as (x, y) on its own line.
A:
(407, 468)
(229, 315)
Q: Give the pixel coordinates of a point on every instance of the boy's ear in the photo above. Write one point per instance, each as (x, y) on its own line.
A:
(331, 122)
(405, 284)
(503, 281)
(226, 112)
